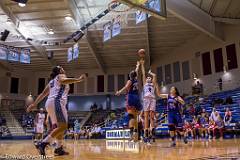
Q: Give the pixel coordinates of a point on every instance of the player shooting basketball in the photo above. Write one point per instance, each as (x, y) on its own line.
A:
(149, 102)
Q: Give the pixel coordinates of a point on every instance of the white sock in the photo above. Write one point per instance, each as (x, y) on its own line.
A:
(48, 139)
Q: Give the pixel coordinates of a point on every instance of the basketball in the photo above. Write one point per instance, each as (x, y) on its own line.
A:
(141, 53)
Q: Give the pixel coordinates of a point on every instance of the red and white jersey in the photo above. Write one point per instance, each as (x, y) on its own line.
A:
(40, 118)
(57, 90)
(149, 90)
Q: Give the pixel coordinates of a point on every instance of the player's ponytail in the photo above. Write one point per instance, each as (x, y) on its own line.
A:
(132, 75)
(55, 72)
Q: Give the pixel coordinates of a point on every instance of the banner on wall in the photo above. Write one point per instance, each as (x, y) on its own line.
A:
(154, 5)
(107, 31)
(13, 54)
(25, 56)
(70, 54)
(116, 26)
(3, 52)
(75, 51)
(140, 16)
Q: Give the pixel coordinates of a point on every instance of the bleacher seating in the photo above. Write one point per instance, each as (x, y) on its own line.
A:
(206, 102)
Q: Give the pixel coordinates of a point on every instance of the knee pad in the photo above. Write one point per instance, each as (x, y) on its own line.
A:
(130, 116)
(171, 127)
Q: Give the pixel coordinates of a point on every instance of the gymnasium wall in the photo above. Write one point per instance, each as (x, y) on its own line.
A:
(185, 53)
(198, 46)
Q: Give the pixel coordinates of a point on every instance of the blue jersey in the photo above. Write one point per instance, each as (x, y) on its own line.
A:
(173, 105)
(133, 89)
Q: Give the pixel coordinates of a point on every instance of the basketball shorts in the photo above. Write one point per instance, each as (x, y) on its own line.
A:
(149, 104)
(175, 119)
(133, 102)
(57, 111)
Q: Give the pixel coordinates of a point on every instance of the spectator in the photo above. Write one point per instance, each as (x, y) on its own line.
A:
(187, 129)
(213, 115)
(217, 124)
(198, 108)
(204, 124)
(197, 88)
(227, 117)
(204, 113)
(192, 110)
(196, 127)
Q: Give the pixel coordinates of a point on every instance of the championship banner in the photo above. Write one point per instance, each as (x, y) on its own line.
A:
(3, 52)
(116, 27)
(13, 55)
(118, 134)
(155, 5)
(107, 31)
(140, 16)
(25, 56)
(75, 51)
(70, 54)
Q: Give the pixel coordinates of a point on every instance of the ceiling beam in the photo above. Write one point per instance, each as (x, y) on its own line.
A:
(202, 21)
(78, 19)
(227, 20)
(17, 24)
(96, 55)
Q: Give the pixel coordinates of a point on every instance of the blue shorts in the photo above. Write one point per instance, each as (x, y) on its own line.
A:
(175, 119)
(133, 102)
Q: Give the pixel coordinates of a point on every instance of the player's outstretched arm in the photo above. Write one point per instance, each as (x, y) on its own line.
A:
(64, 80)
(159, 93)
(143, 71)
(128, 84)
(39, 98)
(137, 67)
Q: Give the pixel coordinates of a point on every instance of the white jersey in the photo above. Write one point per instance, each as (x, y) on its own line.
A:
(58, 91)
(40, 118)
(149, 90)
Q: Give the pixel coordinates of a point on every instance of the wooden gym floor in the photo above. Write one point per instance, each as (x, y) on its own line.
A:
(124, 150)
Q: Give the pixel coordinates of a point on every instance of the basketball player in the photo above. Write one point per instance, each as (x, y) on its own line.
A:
(133, 103)
(39, 125)
(57, 92)
(149, 103)
(175, 123)
(76, 129)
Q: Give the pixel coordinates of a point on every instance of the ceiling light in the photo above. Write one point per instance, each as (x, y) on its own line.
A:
(68, 18)
(22, 4)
